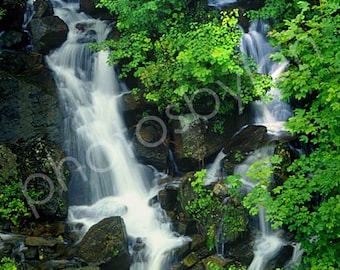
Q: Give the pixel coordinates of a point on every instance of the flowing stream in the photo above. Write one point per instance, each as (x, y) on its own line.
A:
(108, 181)
(272, 115)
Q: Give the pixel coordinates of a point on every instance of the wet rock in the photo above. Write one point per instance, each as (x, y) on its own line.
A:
(150, 142)
(14, 40)
(7, 160)
(29, 104)
(48, 33)
(168, 198)
(43, 173)
(242, 144)
(43, 8)
(89, 7)
(216, 260)
(39, 241)
(194, 257)
(194, 141)
(105, 245)
(247, 139)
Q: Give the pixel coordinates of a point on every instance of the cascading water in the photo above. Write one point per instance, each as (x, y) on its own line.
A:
(272, 115)
(109, 181)
(268, 244)
(214, 170)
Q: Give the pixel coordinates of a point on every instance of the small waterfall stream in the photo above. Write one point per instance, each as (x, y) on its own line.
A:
(109, 181)
(272, 115)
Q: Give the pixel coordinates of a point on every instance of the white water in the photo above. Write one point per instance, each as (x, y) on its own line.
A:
(268, 243)
(275, 113)
(95, 138)
(214, 170)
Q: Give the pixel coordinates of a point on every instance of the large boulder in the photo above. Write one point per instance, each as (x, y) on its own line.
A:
(29, 104)
(150, 142)
(48, 33)
(105, 245)
(242, 144)
(89, 7)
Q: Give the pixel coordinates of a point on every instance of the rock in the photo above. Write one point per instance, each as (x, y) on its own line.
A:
(216, 260)
(88, 6)
(39, 241)
(242, 144)
(168, 199)
(29, 104)
(190, 260)
(48, 33)
(194, 141)
(194, 257)
(43, 172)
(247, 139)
(43, 8)
(150, 142)
(220, 189)
(8, 159)
(14, 40)
(105, 245)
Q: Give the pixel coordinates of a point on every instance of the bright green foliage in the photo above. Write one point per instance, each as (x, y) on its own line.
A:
(308, 202)
(13, 207)
(7, 263)
(2, 12)
(220, 221)
(205, 207)
(176, 48)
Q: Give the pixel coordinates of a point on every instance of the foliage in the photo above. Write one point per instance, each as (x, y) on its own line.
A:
(2, 12)
(13, 207)
(214, 266)
(278, 10)
(7, 263)
(176, 49)
(221, 222)
(308, 202)
(205, 206)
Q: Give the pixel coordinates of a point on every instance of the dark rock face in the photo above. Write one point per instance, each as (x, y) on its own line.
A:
(247, 139)
(14, 40)
(105, 245)
(29, 103)
(43, 8)
(40, 167)
(88, 6)
(48, 33)
(194, 141)
(14, 17)
(242, 145)
(150, 144)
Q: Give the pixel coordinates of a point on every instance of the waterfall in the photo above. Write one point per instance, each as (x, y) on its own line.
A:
(271, 114)
(107, 180)
(214, 171)
(268, 243)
